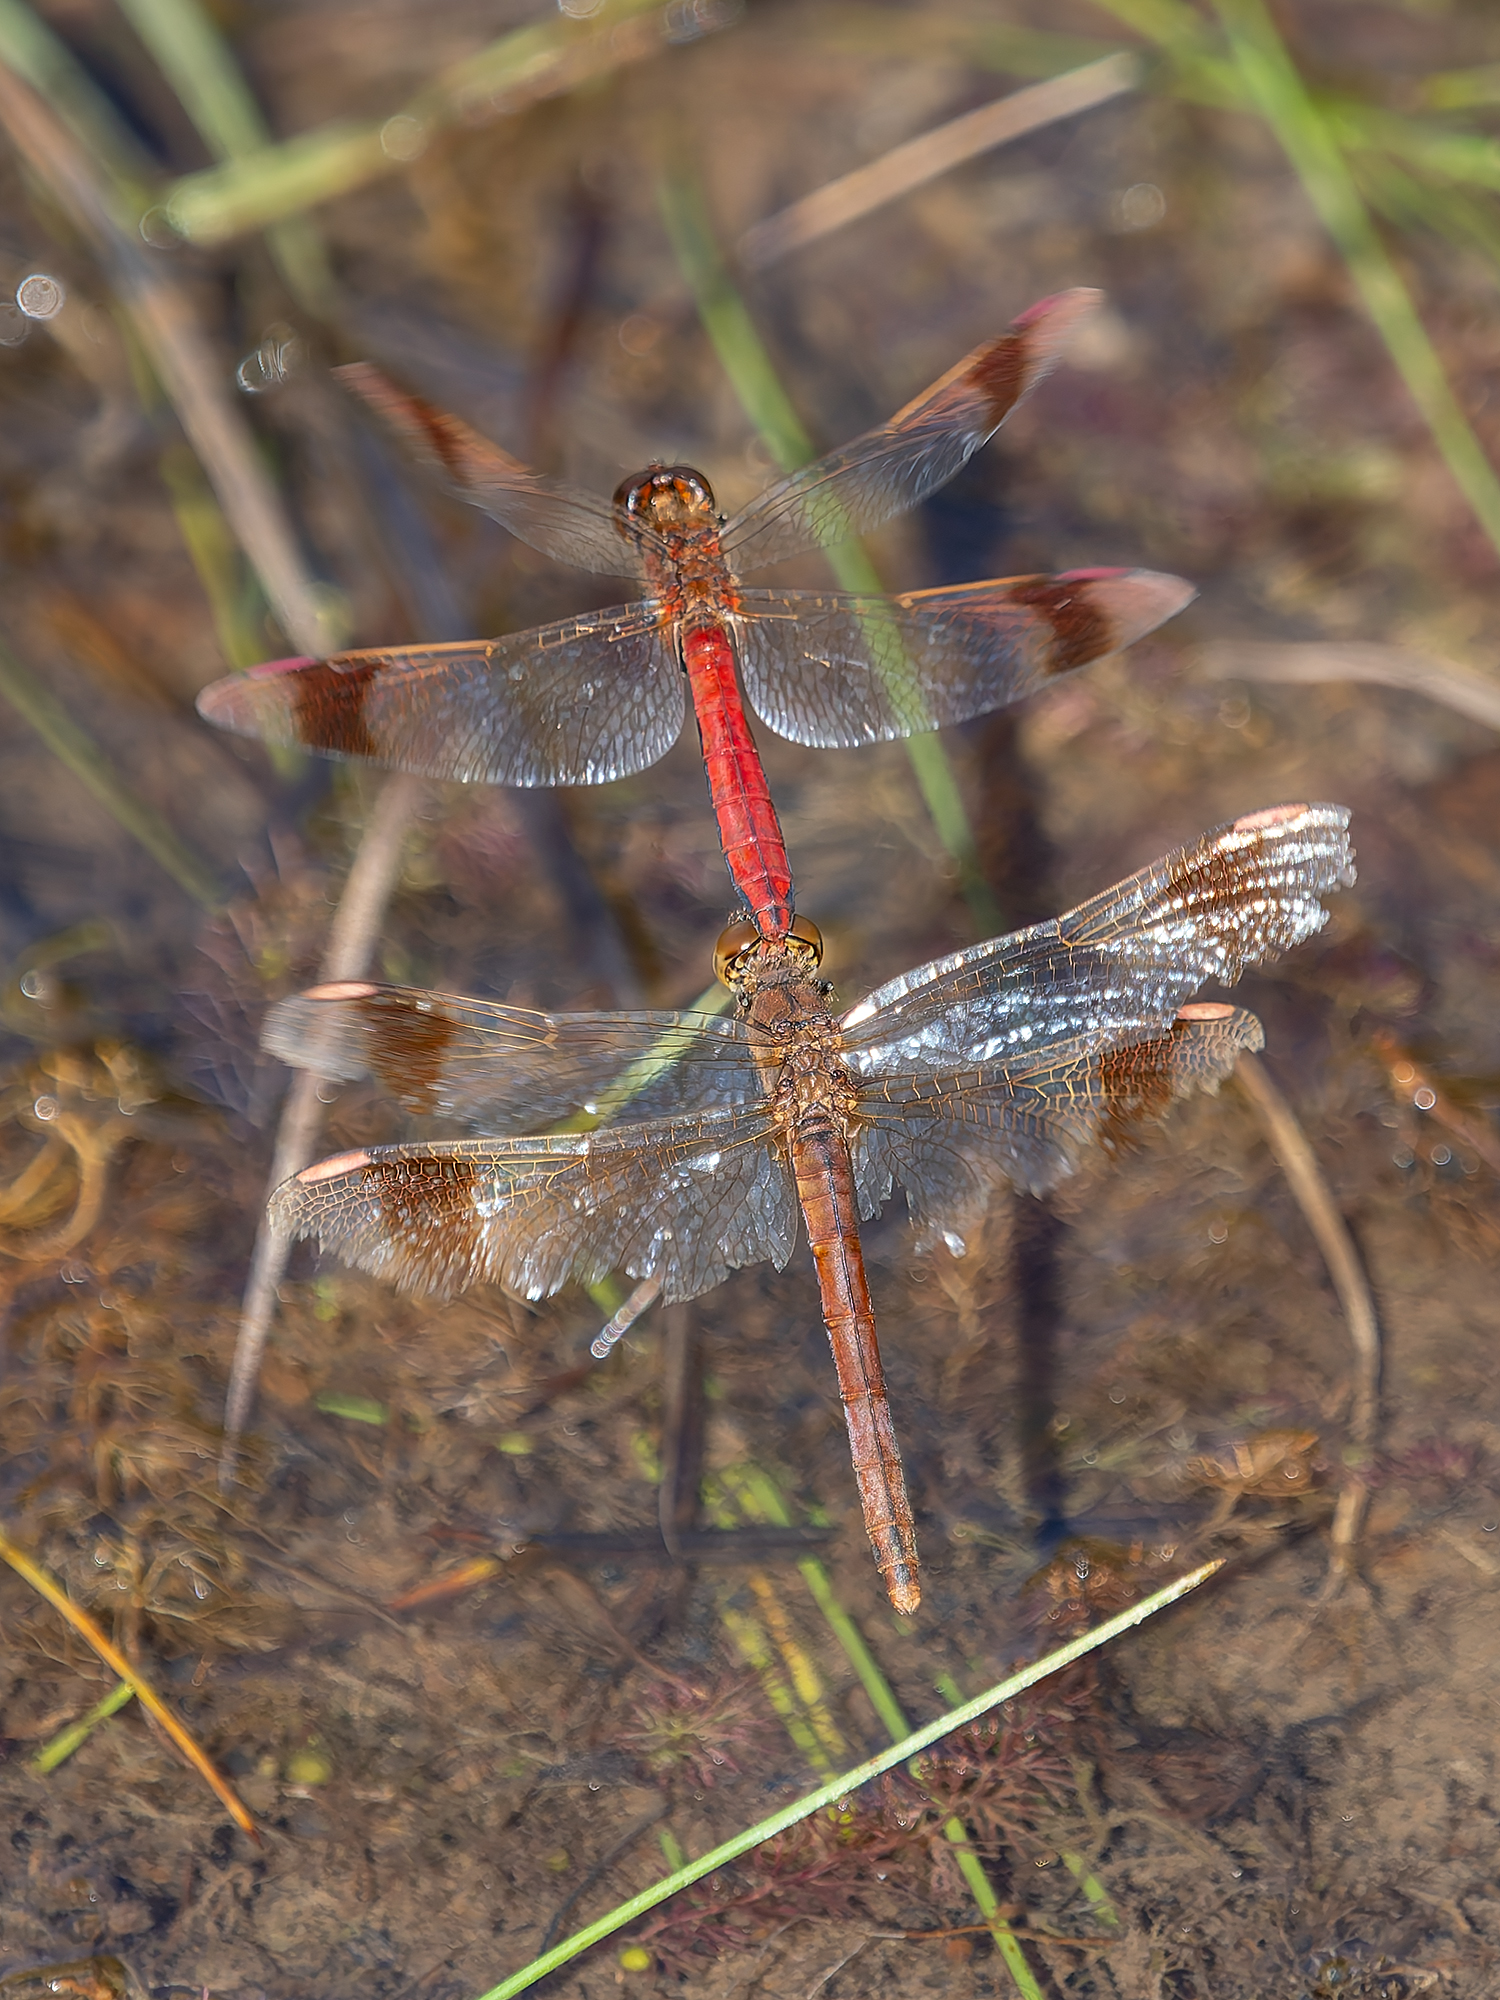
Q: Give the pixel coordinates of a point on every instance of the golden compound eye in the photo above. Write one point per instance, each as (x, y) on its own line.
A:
(804, 939)
(806, 933)
(731, 948)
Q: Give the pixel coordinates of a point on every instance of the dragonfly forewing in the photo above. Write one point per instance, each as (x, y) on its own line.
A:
(511, 1069)
(562, 522)
(890, 469)
(577, 703)
(1116, 969)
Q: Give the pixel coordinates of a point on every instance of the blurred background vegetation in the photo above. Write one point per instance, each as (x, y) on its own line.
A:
(730, 235)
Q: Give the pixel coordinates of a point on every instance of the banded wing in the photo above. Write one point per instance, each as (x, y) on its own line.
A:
(685, 1200)
(576, 703)
(892, 468)
(836, 671)
(510, 1069)
(1115, 970)
(569, 525)
(951, 1143)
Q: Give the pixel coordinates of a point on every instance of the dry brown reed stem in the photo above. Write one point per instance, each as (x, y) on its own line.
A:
(187, 367)
(1464, 689)
(197, 384)
(932, 153)
(145, 1694)
(1295, 1157)
(350, 942)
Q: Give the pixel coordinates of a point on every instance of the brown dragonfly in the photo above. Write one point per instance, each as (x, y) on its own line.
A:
(1001, 1065)
(600, 696)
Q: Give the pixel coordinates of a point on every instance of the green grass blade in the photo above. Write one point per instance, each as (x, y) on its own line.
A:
(195, 59)
(1274, 86)
(727, 321)
(66, 1741)
(73, 746)
(837, 1789)
(273, 183)
(31, 49)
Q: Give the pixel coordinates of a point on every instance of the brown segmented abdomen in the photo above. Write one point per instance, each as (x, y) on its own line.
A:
(825, 1187)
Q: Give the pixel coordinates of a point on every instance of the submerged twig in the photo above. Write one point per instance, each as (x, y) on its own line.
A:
(922, 159)
(190, 374)
(351, 941)
(1466, 690)
(147, 1696)
(1295, 1157)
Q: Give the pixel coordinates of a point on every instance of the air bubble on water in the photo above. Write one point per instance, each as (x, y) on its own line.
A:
(159, 229)
(1218, 1232)
(279, 355)
(1139, 207)
(1441, 1155)
(40, 295)
(1424, 1099)
(46, 1108)
(1403, 1157)
(403, 137)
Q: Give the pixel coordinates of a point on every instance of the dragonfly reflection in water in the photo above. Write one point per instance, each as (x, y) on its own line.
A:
(601, 696)
(1000, 1065)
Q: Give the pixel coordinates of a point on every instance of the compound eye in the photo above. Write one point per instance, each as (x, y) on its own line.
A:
(807, 934)
(731, 948)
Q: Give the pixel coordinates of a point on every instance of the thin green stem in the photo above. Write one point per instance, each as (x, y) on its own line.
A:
(66, 1741)
(74, 747)
(197, 62)
(730, 329)
(1276, 89)
(838, 1789)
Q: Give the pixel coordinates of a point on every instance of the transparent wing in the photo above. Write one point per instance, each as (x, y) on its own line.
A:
(509, 1069)
(950, 1144)
(892, 468)
(685, 1200)
(1117, 968)
(577, 703)
(571, 526)
(838, 671)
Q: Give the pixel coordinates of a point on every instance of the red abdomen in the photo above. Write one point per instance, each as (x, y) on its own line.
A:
(749, 830)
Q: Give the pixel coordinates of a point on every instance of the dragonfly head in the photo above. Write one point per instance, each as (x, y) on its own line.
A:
(742, 943)
(668, 498)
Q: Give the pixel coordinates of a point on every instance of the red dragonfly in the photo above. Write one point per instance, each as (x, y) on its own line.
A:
(1001, 1064)
(600, 696)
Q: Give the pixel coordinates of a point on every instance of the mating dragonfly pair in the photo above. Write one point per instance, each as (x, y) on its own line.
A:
(999, 1066)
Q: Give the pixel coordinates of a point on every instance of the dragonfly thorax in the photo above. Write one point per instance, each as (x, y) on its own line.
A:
(668, 498)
